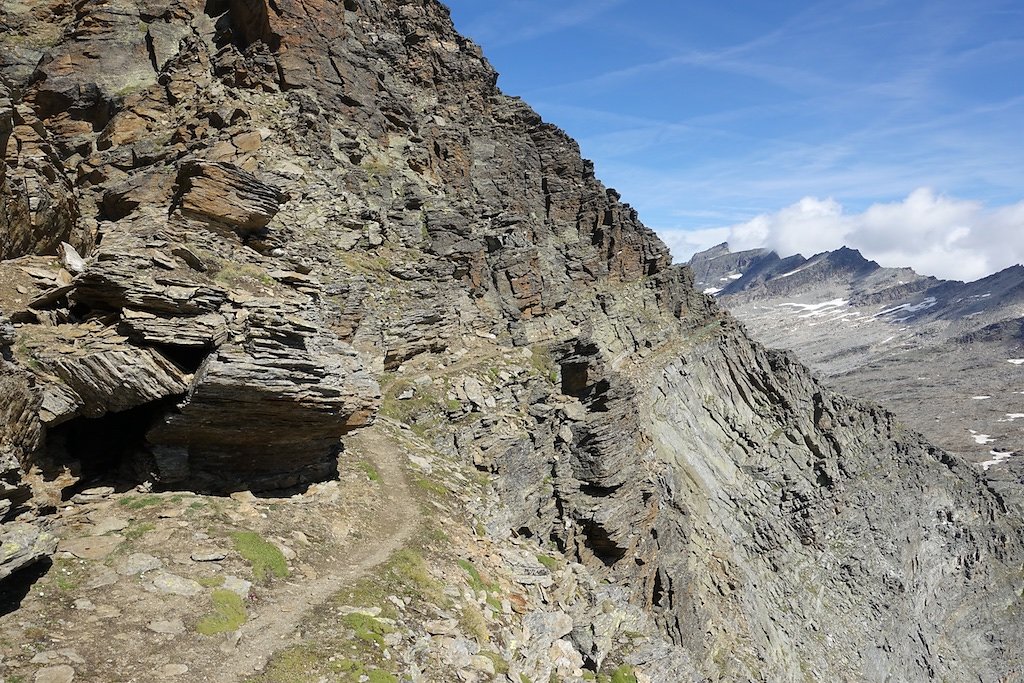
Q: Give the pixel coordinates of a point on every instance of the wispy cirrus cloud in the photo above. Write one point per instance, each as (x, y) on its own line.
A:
(509, 23)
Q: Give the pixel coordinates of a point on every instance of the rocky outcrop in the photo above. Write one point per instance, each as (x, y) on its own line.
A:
(21, 545)
(293, 200)
(38, 208)
(939, 353)
(225, 195)
(268, 409)
(20, 428)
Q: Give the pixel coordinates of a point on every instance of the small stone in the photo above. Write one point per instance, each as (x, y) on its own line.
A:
(208, 555)
(288, 553)
(441, 627)
(55, 674)
(482, 664)
(237, 585)
(94, 494)
(139, 563)
(172, 670)
(102, 578)
(91, 547)
(170, 627)
(107, 612)
(85, 605)
(70, 258)
(165, 582)
(107, 525)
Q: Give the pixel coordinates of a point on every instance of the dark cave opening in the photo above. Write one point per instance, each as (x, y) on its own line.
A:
(188, 358)
(574, 379)
(600, 543)
(110, 450)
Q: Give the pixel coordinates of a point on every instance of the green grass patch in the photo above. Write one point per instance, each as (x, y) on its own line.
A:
(228, 614)
(367, 628)
(550, 563)
(235, 274)
(139, 502)
(472, 621)
(68, 574)
(500, 665)
(354, 672)
(137, 530)
(624, 674)
(369, 470)
(264, 557)
(211, 581)
(431, 486)
(293, 665)
(405, 574)
(476, 581)
(543, 363)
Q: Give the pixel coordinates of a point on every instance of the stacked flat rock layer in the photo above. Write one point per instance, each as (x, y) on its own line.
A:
(317, 194)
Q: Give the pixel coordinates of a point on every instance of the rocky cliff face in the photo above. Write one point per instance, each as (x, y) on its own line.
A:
(945, 356)
(250, 217)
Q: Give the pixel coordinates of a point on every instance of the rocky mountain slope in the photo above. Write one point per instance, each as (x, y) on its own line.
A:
(946, 356)
(328, 361)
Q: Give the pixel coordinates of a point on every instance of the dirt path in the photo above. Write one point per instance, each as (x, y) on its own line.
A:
(274, 625)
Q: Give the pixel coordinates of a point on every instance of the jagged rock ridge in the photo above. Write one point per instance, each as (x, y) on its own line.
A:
(942, 354)
(343, 192)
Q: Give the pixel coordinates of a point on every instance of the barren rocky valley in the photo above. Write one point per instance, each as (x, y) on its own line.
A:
(324, 360)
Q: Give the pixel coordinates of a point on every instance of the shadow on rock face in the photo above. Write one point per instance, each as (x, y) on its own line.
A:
(15, 588)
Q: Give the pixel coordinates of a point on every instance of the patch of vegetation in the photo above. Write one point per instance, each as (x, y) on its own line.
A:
(367, 628)
(234, 274)
(544, 364)
(475, 580)
(293, 665)
(374, 166)
(500, 664)
(354, 672)
(371, 472)
(266, 559)
(137, 530)
(139, 502)
(550, 563)
(491, 589)
(623, 674)
(215, 581)
(228, 614)
(68, 574)
(431, 486)
(405, 574)
(473, 622)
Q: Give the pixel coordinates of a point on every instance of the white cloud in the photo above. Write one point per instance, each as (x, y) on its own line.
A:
(932, 233)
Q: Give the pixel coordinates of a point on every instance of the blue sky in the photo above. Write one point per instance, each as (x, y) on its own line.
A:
(709, 115)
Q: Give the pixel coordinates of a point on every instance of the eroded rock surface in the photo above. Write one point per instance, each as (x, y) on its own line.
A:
(295, 204)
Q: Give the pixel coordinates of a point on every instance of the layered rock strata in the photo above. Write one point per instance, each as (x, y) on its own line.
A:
(321, 195)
